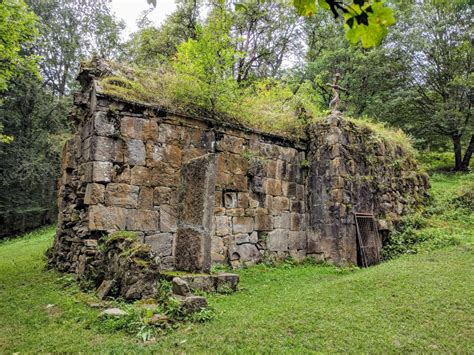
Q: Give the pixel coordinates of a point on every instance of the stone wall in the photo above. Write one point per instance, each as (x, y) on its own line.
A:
(199, 191)
(355, 170)
(123, 170)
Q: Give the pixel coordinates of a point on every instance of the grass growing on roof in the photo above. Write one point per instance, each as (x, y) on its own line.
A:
(390, 135)
(267, 105)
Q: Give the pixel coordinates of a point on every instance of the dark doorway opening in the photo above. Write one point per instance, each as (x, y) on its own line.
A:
(369, 242)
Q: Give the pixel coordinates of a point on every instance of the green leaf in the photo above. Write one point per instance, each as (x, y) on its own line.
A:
(240, 7)
(370, 25)
(305, 7)
(323, 4)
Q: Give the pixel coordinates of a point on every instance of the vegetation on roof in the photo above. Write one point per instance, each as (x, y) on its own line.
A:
(269, 105)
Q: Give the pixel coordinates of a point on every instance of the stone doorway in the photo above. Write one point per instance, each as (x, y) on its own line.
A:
(369, 241)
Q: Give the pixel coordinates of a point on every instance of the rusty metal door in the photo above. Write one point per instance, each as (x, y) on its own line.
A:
(369, 242)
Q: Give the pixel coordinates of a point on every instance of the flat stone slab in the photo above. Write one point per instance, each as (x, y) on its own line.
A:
(220, 282)
(114, 312)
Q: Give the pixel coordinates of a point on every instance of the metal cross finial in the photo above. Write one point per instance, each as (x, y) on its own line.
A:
(334, 104)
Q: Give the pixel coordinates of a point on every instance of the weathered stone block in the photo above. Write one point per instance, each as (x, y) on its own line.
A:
(227, 181)
(159, 153)
(263, 222)
(103, 218)
(143, 220)
(164, 196)
(98, 149)
(253, 237)
(145, 198)
(242, 224)
(136, 152)
(280, 204)
(103, 125)
(132, 127)
(243, 253)
(219, 211)
(277, 240)
(142, 176)
(193, 250)
(122, 195)
(297, 240)
(297, 222)
(217, 250)
(170, 133)
(168, 218)
(243, 200)
(98, 171)
(272, 187)
(268, 202)
(287, 154)
(285, 185)
(104, 288)
(68, 160)
(292, 189)
(196, 192)
(94, 194)
(193, 304)
(180, 287)
(218, 199)
(121, 174)
(280, 169)
(165, 175)
(150, 129)
(195, 214)
(235, 212)
(241, 239)
(269, 150)
(232, 163)
(297, 207)
(231, 144)
(271, 169)
(161, 243)
(225, 282)
(222, 225)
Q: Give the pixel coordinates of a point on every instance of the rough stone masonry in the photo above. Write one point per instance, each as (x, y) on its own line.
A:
(200, 192)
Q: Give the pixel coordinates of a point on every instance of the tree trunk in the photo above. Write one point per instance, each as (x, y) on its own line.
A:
(457, 151)
(468, 155)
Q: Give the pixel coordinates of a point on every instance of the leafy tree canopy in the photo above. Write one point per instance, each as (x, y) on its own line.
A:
(17, 29)
(365, 21)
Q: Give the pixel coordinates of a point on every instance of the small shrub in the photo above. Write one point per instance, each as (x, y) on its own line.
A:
(466, 199)
(414, 236)
(202, 316)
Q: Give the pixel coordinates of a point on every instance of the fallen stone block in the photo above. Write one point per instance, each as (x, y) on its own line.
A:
(104, 288)
(226, 282)
(180, 287)
(192, 304)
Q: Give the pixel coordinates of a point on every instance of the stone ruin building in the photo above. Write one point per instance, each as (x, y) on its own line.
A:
(198, 192)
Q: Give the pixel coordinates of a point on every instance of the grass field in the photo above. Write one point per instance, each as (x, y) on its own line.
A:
(414, 303)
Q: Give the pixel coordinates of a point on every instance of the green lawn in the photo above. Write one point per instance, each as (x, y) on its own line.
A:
(415, 303)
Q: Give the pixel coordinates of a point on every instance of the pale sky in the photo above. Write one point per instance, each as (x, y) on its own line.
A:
(130, 10)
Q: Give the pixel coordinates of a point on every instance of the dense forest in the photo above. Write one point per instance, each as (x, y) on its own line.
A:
(263, 60)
